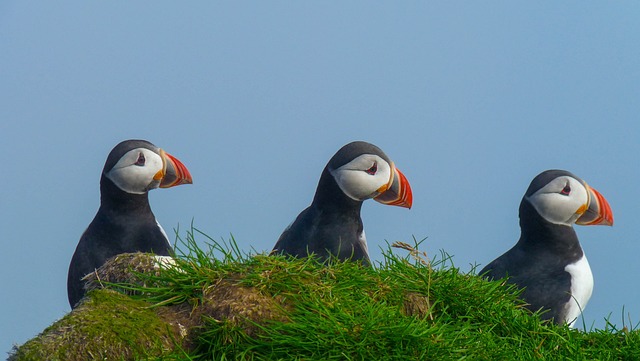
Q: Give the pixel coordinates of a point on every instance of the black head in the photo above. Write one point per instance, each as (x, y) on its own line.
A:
(351, 151)
(123, 148)
(560, 197)
(362, 171)
(545, 178)
(136, 166)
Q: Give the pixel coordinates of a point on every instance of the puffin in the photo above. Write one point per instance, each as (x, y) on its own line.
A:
(124, 222)
(548, 262)
(331, 226)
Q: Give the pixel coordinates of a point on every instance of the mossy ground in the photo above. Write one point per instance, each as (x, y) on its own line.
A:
(232, 306)
(106, 326)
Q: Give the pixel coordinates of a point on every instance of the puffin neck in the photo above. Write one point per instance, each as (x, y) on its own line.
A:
(536, 230)
(329, 196)
(113, 197)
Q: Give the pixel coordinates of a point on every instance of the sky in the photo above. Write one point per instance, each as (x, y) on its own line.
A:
(471, 100)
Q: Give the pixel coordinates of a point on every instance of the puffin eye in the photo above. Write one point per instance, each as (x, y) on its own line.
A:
(140, 161)
(566, 190)
(373, 169)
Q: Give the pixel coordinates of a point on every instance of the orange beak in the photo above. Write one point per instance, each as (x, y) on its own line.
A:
(397, 192)
(598, 210)
(173, 173)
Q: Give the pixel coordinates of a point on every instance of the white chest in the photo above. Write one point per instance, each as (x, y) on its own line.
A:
(163, 233)
(363, 242)
(581, 289)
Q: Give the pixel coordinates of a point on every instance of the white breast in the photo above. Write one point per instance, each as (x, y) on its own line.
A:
(163, 233)
(363, 242)
(581, 289)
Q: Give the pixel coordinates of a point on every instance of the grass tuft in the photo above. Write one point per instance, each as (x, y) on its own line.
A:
(219, 303)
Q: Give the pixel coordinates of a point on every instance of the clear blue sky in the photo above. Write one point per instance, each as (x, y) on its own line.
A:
(471, 100)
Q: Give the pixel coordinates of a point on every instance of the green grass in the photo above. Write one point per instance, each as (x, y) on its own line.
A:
(109, 326)
(237, 306)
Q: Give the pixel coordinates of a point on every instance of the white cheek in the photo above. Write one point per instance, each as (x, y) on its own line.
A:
(136, 179)
(359, 185)
(557, 208)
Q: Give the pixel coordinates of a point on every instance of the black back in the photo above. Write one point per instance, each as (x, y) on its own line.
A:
(124, 223)
(537, 262)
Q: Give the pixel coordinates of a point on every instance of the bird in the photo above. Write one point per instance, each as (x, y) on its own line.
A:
(124, 222)
(548, 262)
(331, 226)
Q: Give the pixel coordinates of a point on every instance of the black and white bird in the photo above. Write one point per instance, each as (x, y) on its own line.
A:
(331, 225)
(124, 222)
(548, 261)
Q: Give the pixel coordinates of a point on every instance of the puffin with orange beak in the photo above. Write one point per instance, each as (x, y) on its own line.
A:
(124, 222)
(331, 225)
(548, 261)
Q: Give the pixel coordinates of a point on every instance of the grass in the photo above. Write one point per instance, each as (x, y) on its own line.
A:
(107, 326)
(228, 305)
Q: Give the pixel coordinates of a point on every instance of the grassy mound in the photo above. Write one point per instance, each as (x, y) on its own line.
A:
(107, 326)
(220, 304)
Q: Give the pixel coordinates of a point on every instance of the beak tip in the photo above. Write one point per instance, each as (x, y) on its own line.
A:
(176, 172)
(598, 212)
(409, 198)
(399, 194)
